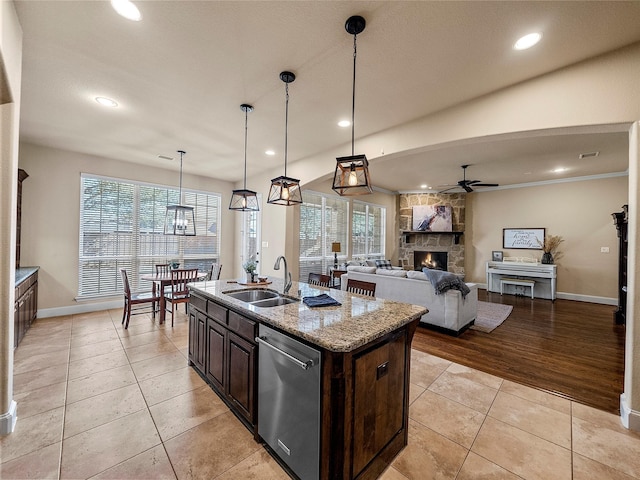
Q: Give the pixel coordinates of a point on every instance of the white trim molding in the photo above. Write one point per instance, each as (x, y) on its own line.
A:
(80, 308)
(629, 417)
(8, 419)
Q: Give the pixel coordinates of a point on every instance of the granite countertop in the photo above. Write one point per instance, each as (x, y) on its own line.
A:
(357, 322)
(23, 273)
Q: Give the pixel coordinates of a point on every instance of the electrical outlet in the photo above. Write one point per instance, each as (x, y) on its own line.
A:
(265, 244)
(604, 249)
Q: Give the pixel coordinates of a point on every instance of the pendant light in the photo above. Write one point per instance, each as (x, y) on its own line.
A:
(244, 200)
(180, 219)
(285, 190)
(352, 173)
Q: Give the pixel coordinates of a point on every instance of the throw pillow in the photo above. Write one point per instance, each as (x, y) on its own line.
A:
(391, 273)
(443, 281)
(414, 275)
(356, 268)
(383, 264)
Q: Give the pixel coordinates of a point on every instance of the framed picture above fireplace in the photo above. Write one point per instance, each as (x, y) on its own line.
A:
(525, 238)
(432, 218)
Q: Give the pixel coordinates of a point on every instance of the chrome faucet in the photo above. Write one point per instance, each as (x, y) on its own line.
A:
(287, 275)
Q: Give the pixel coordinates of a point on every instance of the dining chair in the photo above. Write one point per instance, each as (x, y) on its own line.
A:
(361, 287)
(319, 279)
(163, 269)
(179, 293)
(132, 299)
(214, 274)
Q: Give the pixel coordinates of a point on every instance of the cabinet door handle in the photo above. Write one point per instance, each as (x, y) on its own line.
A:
(303, 365)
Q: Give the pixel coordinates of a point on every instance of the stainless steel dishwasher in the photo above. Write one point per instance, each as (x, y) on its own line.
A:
(289, 401)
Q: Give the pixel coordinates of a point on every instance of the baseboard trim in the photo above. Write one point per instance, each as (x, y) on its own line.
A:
(629, 417)
(574, 296)
(80, 308)
(8, 419)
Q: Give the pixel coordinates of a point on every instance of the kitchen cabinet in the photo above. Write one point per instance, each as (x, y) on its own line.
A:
(25, 307)
(222, 348)
(362, 418)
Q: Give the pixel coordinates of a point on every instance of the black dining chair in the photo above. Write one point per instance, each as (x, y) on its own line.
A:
(133, 299)
(214, 274)
(179, 293)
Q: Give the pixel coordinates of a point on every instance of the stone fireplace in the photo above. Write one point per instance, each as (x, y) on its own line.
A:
(440, 242)
(434, 260)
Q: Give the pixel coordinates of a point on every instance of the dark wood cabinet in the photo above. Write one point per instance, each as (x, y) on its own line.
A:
(620, 221)
(222, 348)
(25, 307)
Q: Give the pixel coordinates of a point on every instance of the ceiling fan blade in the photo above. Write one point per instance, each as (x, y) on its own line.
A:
(448, 189)
(467, 188)
(486, 185)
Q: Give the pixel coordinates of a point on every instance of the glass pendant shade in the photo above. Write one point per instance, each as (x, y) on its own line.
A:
(352, 173)
(244, 200)
(180, 219)
(352, 176)
(285, 191)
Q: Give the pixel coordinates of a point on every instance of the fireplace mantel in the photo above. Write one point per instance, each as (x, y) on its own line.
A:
(407, 234)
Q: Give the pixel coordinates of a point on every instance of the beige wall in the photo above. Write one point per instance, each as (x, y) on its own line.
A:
(580, 212)
(51, 209)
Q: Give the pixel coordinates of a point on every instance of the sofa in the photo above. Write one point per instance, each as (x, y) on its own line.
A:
(449, 311)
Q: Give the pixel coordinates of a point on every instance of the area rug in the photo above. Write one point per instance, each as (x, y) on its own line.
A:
(490, 316)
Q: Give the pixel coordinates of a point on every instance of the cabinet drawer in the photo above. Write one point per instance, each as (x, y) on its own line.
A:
(242, 326)
(198, 302)
(218, 313)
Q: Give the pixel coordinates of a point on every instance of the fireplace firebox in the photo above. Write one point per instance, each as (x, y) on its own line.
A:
(434, 260)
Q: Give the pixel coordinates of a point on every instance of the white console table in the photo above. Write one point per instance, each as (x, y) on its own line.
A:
(543, 275)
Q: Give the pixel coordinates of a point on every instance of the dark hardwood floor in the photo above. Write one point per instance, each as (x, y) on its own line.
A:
(572, 349)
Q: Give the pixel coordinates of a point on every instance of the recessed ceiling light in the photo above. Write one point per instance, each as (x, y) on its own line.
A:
(127, 9)
(588, 155)
(559, 170)
(423, 186)
(270, 152)
(344, 123)
(107, 102)
(527, 41)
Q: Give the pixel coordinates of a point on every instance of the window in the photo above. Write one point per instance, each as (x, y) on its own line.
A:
(121, 226)
(367, 231)
(323, 220)
(251, 236)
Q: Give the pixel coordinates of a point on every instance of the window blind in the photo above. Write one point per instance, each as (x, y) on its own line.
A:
(323, 220)
(368, 231)
(121, 226)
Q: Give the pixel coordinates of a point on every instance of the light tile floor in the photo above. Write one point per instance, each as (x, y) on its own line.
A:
(98, 401)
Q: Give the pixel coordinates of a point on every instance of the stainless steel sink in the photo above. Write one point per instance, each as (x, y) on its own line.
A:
(251, 296)
(273, 302)
(261, 298)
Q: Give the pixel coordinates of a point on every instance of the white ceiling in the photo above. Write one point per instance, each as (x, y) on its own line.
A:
(181, 73)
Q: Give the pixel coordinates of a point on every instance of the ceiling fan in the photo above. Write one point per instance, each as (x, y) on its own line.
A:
(467, 184)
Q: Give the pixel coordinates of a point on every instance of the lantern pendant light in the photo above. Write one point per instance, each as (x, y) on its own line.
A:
(352, 173)
(285, 190)
(180, 219)
(244, 200)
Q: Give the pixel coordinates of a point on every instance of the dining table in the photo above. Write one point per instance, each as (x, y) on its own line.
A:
(163, 280)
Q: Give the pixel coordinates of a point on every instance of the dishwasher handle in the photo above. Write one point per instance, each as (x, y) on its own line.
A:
(303, 365)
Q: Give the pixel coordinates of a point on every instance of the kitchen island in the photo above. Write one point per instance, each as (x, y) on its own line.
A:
(364, 352)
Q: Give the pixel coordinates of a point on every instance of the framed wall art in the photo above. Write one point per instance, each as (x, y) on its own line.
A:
(432, 218)
(523, 238)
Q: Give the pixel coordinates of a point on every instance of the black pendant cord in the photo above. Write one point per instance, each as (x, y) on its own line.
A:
(246, 116)
(180, 191)
(286, 125)
(353, 98)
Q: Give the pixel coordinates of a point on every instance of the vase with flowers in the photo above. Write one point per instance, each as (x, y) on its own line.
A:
(550, 248)
(250, 269)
